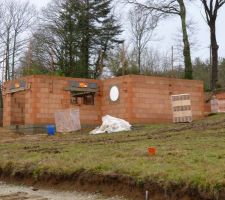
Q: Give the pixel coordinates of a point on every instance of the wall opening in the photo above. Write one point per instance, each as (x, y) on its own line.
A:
(86, 98)
(18, 108)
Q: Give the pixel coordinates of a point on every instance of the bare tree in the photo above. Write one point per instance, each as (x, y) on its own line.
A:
(211, 8)
(178, 46)
(42, 54)
(16, 20)
(23, 20)
(142, 26)
(171, 7)
(5, 36)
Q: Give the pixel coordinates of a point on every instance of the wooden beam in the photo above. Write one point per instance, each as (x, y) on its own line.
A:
(72, 89)
(82, 94)
(17, 90)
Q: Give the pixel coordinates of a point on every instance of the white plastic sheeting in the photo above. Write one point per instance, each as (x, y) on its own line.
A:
(67, 120)
(111, 125)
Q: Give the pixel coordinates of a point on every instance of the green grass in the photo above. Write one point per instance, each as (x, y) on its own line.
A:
(191, 154)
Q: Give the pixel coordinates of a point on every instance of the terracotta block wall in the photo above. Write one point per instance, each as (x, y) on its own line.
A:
(146, 99)
(120, 108)
(48, 96)
(18, 108)
(217, 102)
(143, 99)
(220, 96)
(207, 108)
(151, 98)
(6, 110)
(45, 96)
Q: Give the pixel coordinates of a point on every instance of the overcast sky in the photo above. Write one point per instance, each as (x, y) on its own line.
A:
(168, 29)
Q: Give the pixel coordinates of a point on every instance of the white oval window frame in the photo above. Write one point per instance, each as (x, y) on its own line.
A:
(114, 93)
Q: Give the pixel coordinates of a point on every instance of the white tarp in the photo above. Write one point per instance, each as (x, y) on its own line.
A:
(67, 120)
(111, 125)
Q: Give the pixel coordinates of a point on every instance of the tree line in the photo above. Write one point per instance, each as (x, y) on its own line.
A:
(80, 38)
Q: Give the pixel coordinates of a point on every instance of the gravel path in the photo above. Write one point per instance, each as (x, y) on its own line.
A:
(11, 192)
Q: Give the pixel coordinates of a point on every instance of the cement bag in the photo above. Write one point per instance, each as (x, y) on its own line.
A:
(67, 120)
(111, 125)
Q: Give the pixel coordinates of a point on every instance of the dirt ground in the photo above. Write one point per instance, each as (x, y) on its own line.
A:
(12, 192)
(189, 163)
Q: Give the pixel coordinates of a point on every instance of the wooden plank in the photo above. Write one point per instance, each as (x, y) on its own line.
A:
(82, 94)
(17, 90)
(80, 89)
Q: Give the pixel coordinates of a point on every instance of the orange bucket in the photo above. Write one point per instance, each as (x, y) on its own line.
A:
(151, 151)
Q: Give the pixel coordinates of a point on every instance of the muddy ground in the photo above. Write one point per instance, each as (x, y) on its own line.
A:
(110, 184)
(12, 192)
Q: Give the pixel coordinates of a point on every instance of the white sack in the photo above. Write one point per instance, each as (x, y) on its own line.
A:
(111, 125)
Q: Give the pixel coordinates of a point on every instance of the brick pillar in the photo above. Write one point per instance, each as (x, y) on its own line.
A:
(29, 118)
(126, 92)
(7, 100)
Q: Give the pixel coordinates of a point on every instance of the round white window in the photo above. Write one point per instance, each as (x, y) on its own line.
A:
(114, 93)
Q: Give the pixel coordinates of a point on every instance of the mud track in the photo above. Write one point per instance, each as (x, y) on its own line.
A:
(21, 196)
(107, 184)
(12, 192)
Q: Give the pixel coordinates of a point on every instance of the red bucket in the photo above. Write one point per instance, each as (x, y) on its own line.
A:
(151, 151)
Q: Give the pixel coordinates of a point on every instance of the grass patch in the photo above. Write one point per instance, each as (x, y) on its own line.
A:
(191, 154)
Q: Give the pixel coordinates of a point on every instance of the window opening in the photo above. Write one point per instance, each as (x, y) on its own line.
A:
(87, 98)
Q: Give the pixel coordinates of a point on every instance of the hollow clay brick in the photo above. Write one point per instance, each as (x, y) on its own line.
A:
(142, 99)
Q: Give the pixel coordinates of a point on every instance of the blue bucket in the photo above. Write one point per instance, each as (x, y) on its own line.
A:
(51, 129)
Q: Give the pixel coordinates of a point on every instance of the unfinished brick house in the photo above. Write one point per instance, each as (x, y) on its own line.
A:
(215, 102)
(30, 102)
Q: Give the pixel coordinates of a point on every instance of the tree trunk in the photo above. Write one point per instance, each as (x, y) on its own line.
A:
(83, 71)
(7, 70)
(14, 54)
(214, 50)
(85, 44)
(139, 62)
(186, 50)
(139, 52)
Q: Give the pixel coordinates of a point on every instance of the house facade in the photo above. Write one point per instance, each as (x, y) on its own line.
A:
(30, 102)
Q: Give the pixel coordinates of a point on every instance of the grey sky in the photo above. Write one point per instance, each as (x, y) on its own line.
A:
(168, 29)
(39, 3)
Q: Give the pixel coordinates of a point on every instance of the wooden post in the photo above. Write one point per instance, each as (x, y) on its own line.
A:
(146, 195)
(29, 57)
